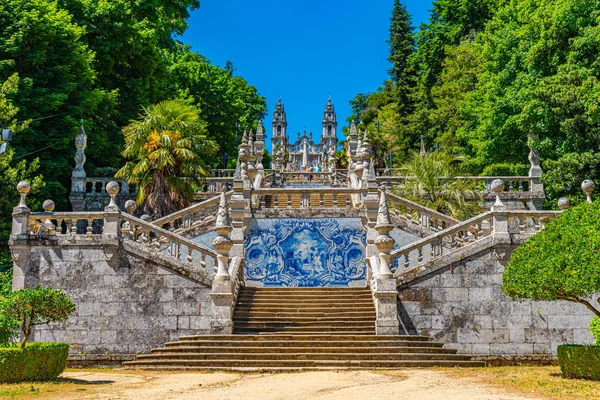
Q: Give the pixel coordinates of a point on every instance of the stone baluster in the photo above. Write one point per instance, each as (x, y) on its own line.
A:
(222, 290)
(112, 211)
(535, 173)
(384, 288)
(588, 187)
(48, 227)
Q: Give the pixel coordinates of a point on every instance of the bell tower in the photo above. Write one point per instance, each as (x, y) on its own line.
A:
(329, 135)
(279, 136)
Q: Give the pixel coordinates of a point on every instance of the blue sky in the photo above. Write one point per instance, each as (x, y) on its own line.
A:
(302, 51)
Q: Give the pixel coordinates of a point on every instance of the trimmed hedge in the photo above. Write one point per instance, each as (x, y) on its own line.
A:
(35, 362)
(579, 361)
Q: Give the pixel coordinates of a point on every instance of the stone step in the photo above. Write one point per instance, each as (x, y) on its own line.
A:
(317, 337)
(292, 304)
(301, 319)
(280, 290)
(298, 364)
(290, 342)
(301, 356)
(294, 296)
(257, 330)
(301, 349)
(304, 309)
(309, 314)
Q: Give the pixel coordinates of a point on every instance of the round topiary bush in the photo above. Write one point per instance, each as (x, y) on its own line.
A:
(578, 361)
(33, 363)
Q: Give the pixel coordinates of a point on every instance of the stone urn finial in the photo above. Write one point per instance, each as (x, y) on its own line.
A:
(48, 206)
(112, 188)
(384, 242)
(497, 187)
(564, 203)
(23, 188)
(48, 226)
(588, 187)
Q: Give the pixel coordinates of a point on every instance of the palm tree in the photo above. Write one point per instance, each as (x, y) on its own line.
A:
(431, 181)
(166, 146)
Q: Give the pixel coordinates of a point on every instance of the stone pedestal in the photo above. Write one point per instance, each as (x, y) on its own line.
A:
(385, 295)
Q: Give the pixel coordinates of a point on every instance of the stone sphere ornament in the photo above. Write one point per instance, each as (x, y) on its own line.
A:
(48, 206)
(130, 206)
(112, 188)
(564, 203)
(23, 188)
(497, 186)
(146, 218)
(588, 187)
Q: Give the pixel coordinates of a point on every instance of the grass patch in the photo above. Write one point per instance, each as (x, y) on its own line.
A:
(546, 382)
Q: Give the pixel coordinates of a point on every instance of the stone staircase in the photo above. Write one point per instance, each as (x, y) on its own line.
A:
(302, 329)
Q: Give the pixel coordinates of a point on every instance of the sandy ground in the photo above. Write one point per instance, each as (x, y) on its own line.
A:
(415, 384)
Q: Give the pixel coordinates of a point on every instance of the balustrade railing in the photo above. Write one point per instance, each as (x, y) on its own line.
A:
(460, 235)
(168, 243)
(66, 223)
(416, 214)
(98, 186)
(195, 216)
(305, 198)
(306, 178)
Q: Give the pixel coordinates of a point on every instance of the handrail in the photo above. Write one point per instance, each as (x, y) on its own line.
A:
(189, 210)
(137, 230)
(422, 209)
(467, 232)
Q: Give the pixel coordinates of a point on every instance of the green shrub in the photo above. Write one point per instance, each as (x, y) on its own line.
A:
(32, 307)
(34, 362)
(595, 329)
(578, 361)
(506, 170)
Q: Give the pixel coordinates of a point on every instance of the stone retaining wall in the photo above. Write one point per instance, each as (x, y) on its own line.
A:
(125, 306)
(462, 305)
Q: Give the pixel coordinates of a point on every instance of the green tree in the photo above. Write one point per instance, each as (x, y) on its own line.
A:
(563, 177)
(166, 147)
(43, 44)
(34, 307)
(402, 46)
(12, 171)
(430, 182)
(540, 77)
(227, 103)
(561, 262)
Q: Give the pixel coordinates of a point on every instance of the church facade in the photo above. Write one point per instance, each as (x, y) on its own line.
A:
(304, 153)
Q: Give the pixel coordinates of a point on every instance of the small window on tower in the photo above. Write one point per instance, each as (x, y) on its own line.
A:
(329, 115)
(278, 116)
(279, 130)
(329, 130)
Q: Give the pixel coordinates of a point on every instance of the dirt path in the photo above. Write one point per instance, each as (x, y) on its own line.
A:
(360, 385)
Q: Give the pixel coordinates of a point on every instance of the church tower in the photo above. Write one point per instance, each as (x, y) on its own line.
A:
(279, 136)
(329, 135)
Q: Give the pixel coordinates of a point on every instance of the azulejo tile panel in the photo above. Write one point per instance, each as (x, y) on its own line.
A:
(306, 252)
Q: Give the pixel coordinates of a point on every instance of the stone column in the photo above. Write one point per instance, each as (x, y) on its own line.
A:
(384, 291)
(18, 241)
(500, 216)
(535, 173)
(78, 177)
(222, 291)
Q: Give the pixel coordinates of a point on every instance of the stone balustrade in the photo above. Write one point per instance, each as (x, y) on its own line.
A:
(416, 215)
(427, 250)
(306, 178)
(297, 198)
(98, 186)
(169, 243)
(65, 223)
(195, 218)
